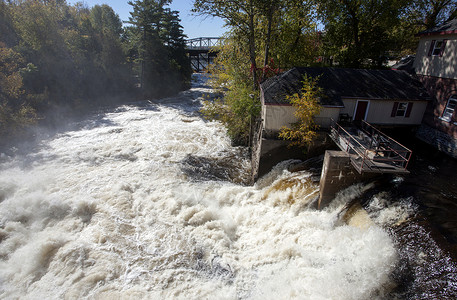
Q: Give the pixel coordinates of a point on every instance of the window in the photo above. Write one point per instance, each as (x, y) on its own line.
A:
(449, 110)
(402, 109)
(437, 48)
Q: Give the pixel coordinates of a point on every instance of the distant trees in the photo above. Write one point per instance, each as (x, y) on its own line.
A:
(55, 57)
(66, 56)
(158, 47)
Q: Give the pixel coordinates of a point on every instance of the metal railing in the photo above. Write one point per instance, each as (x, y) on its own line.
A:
(372, 150)
(203, 43)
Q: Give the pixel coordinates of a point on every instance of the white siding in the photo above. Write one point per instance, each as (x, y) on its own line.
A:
(439, 66)
(379, 112)
(275, 116)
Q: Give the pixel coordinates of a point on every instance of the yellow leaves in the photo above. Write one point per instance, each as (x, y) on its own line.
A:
(10, 78)
(13, 117)
(306, 107)
(12, 85)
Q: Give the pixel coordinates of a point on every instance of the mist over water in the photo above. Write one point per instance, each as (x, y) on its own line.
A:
(146, 201)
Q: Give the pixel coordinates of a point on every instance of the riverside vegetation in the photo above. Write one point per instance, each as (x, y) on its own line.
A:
(57, 58)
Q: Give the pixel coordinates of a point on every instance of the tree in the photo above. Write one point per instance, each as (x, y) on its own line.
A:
(240, 15)
(357, 31)
(259, 30)
(430, 13)
(294, 40)
(240, 102)
(417, 16)
(160, 47)
(15, 114)
(73, 56)
(307, 108)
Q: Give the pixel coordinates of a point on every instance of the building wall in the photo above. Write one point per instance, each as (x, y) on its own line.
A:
(441, 89)
(439, 66)
(379, 112)
(277, 116)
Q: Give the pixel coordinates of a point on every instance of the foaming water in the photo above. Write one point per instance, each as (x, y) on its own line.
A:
(134, 203)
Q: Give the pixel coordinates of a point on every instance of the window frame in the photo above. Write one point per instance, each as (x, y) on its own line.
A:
(448, 112)
(406, 109)
(436, 51)
(401, 109)
(437, 47)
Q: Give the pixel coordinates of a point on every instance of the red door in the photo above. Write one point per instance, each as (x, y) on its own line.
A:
(361, 110)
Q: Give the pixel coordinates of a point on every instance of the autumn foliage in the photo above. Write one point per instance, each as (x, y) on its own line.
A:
(307, 107)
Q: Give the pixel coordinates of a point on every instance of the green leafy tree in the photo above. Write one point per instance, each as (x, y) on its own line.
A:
(240, 101)
(15, 114)
(270, 34)
(294, 40)
(62, 55)
(358, 31)
(430, 13)
(420, 15)
(242, 16)
(307, 107)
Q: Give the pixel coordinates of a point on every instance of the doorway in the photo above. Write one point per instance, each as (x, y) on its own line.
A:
(361, 110)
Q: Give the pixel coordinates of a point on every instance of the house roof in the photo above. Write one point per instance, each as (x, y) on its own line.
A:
(345, 83)
(449, 27)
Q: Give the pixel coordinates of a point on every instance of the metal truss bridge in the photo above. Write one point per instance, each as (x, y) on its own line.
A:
(202, 51)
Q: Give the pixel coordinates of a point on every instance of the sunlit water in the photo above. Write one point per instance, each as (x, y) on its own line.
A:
(144, 202)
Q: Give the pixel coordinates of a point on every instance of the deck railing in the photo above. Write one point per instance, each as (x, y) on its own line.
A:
(370, 149)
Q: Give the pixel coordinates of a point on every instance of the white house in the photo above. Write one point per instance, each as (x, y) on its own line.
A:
(382, 97)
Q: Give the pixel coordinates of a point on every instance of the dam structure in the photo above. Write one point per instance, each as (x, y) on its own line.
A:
(365, 152)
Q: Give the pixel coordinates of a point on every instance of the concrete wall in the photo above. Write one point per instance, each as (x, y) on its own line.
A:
(277, 116)
(337, 174)
(379, 112)
(438, 66)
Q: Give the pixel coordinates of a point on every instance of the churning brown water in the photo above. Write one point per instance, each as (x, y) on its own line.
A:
(144, 202)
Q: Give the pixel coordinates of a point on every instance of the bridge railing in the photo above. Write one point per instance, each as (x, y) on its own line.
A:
(203, 43)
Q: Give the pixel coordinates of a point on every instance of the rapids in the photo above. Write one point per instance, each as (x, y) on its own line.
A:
(145, 201)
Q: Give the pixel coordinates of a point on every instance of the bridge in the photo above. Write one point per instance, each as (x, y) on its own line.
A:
(202, 51)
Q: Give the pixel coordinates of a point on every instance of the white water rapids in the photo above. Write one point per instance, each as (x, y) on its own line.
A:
(108, 211)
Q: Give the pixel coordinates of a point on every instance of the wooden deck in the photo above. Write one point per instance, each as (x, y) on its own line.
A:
(370, 150)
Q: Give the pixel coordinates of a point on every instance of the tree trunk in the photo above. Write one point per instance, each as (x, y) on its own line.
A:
(252, 50)
(267, 42)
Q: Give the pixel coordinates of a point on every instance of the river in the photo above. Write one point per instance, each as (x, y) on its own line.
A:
(146, 201)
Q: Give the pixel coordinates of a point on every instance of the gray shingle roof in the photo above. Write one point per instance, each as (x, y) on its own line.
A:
(346, 83)
(446, 28)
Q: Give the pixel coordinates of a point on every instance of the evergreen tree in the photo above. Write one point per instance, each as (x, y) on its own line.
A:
(160, 47)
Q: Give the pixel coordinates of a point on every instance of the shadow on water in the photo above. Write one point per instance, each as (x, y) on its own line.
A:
(63, 120)
(31, 142)
(426, 237)
(223, 168)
